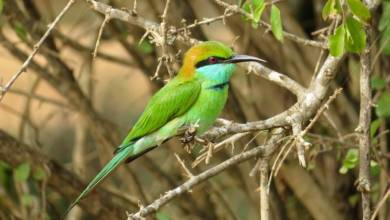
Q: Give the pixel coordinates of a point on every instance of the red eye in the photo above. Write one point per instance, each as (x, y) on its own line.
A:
(213, 60)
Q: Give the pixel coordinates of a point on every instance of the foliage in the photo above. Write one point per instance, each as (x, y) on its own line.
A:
(255, 8)
(276, 23)
(350, 35)
(384, 28)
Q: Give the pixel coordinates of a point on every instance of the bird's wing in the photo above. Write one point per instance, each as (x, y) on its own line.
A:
(171, 101)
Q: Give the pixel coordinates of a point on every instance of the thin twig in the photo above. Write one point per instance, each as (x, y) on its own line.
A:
(36, 47)
(380, 204)
(105, 21)
(186, 170)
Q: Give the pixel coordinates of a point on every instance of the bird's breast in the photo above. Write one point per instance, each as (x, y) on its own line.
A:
(208, 107)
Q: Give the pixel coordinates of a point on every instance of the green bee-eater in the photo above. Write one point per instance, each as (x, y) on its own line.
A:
(196, 95)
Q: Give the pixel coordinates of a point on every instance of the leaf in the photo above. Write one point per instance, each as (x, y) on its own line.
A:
(162, 216)
(276, 23)
(374, 127)
(257, 10)
(350, 161)
(337, 41)
(331, 8)
(374, 168)
(328, 9)
(384, 27)
(356, 40)
(27, 199)
(1, 6)
(383, 105)
(384, 41)
(353, 199)
(22, 172)
(145, 47)
(377, 82)
(20, 31)
(248, 9)
(39, 174)
(359, 9)
(343, 170)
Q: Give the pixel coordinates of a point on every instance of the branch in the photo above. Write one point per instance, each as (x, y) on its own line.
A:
(263, 150)
(27, 62)
(101, 203)
(363, 129)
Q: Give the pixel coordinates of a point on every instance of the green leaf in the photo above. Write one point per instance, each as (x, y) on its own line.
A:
(247, 7)
(145, 47)
(1, 6)
(377, 82)
(384, 41)
(359, 9)
(356, 37)
(383, 105)
(374, 168)
(374, 127)
(276, 23)
(343, 170)
(39, 174)
(27, 199)
(328, 9)
(350, 161)
(331, 8)
(353, 199)
(22, 172)
(20, 31)
(384, 27)
(337, 41)
(257, 8)
(162, 216)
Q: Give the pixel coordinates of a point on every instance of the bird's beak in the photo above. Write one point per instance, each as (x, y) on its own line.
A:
(239, 58)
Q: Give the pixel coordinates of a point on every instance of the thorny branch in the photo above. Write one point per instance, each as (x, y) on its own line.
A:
(309, 99)
(196, 179)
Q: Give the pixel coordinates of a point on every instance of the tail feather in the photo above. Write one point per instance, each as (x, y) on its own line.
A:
(110, 166)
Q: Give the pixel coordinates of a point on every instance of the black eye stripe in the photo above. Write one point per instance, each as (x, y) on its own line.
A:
(206, 61)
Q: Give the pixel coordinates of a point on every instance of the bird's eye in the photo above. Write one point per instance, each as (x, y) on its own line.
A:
(213, 60)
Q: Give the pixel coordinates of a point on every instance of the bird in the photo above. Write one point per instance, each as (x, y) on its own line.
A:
(196, 95)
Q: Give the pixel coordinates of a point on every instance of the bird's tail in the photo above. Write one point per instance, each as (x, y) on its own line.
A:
(119, 157)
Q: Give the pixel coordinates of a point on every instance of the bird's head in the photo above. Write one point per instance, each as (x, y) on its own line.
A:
(213, 60)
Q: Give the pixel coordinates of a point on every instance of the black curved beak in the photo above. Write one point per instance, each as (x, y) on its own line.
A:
(239, 58)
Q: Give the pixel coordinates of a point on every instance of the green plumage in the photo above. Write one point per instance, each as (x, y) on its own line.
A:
(197, 95)
(171, 101)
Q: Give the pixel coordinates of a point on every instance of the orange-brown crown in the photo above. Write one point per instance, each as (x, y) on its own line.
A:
(201, 52)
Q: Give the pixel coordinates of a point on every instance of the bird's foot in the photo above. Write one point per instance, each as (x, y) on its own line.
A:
(188, 138)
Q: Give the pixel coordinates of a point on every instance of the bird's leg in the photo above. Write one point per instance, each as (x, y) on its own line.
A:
(188, 138)
(189, 135)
